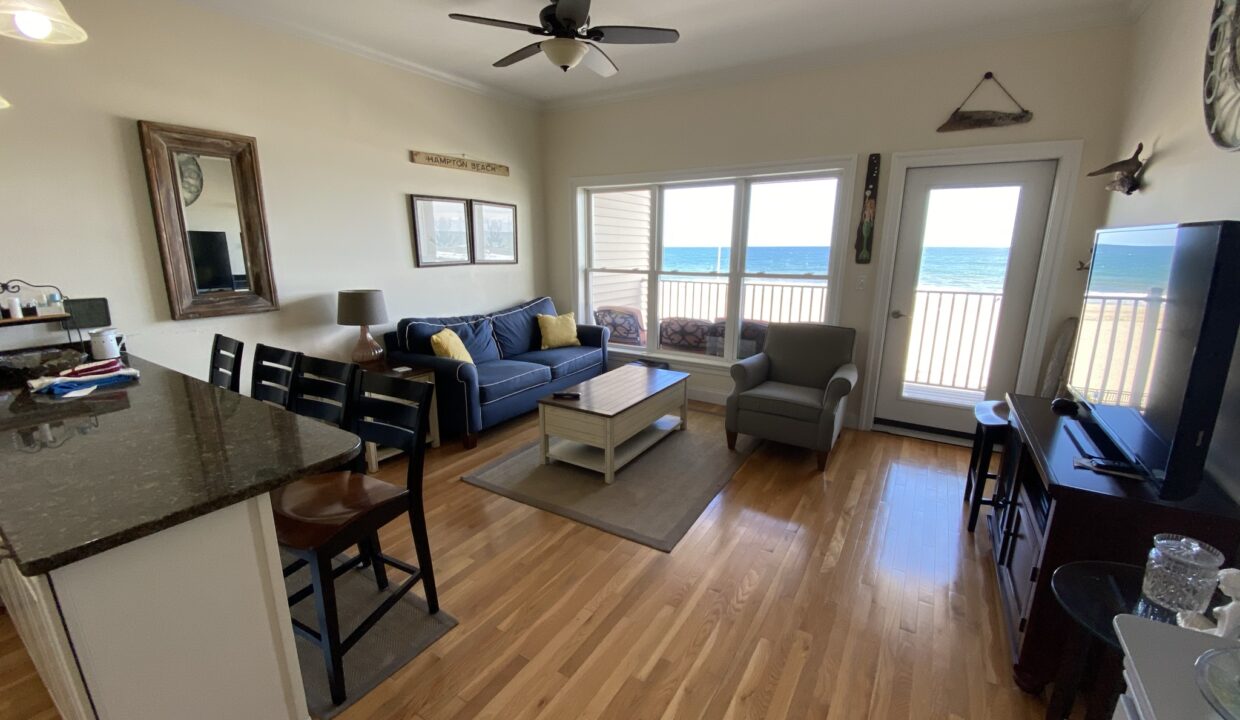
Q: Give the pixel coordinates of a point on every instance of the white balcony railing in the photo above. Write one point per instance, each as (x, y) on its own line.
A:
(764, 300)
(951, 343)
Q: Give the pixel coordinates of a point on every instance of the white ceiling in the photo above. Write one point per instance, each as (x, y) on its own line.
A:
(718, 37)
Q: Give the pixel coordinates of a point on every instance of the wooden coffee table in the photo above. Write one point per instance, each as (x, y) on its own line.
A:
(620, 415)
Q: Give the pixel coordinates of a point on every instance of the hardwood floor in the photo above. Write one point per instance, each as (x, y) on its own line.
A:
(845, 595)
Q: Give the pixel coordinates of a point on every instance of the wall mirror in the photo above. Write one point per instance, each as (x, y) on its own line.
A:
(207, 198)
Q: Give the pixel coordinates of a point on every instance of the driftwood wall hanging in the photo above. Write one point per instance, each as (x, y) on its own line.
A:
(962, 119)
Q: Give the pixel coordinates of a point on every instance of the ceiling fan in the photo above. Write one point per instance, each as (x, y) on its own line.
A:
(572, 39)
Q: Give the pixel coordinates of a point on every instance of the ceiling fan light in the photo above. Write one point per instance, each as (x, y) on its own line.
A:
(43, 21)
(564, 53)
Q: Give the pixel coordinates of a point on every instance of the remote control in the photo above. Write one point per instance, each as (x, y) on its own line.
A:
(567, 396)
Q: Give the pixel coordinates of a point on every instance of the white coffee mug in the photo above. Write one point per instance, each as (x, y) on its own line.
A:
(105, 343)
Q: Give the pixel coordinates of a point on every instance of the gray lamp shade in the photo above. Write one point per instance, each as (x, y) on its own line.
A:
(361, 307)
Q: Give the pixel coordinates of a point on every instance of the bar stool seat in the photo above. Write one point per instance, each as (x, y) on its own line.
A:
(992, 429)
(312, 511)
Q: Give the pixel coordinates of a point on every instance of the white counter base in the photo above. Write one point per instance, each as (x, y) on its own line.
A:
(191, 622)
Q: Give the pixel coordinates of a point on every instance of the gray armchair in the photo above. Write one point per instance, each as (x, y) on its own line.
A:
(796, 389)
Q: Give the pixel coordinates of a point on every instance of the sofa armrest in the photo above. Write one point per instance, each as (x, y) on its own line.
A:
(750, 372)
(456, 387)
(593, 335)
(840, 385)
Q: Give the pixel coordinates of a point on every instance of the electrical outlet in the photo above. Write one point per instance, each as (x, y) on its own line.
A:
(861, 281)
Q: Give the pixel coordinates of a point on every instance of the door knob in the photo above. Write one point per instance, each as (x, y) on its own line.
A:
(896, 314)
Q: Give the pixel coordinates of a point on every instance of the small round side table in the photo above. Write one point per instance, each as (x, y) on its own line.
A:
(1093, 593)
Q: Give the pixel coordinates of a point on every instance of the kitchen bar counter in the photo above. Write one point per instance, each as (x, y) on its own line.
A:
(143, 572)
(140, 458)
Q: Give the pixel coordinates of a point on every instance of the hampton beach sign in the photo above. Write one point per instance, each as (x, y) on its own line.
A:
(456, 162)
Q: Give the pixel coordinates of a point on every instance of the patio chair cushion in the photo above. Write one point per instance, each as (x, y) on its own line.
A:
(625, 324)
(790, 401)
(499, 379)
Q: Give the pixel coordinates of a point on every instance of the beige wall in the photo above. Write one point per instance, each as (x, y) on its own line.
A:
(1188, 177)
(333, 134)
(1074, 83)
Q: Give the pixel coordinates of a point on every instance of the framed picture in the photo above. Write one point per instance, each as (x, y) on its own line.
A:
(441, 230)
(495, 232)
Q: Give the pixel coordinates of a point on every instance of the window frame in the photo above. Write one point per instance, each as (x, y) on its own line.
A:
(842, 169)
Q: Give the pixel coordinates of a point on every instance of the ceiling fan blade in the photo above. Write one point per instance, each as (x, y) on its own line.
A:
(526, 52)
(573, 14)
(599, 62)
(629, 35)
(532, 29)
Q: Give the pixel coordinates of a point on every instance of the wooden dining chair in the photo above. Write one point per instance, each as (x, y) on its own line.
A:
(321, 517)
(322, 389)
(272, 374)
(225, 369)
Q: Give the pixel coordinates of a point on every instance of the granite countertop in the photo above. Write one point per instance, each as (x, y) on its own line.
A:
(84, 476)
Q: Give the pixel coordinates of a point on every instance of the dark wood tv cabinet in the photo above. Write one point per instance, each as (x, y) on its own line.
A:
(1051, 513)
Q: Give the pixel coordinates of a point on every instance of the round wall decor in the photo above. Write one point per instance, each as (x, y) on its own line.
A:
(1221, 90)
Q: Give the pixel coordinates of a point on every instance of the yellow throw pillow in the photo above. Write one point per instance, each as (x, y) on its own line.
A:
(447, 343)
(558, 331)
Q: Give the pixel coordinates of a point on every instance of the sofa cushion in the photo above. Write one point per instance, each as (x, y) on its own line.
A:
(790, 401)
(414, 335)
(564, 361)
(499, 379)
(516, 328)
(558, 331)
(447, 343)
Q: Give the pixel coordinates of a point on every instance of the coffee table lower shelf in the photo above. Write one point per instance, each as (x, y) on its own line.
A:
(594, 458)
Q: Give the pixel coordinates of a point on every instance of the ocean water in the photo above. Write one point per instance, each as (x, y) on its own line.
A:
(1119, 268)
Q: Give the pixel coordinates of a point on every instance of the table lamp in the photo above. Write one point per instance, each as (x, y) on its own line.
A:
(363, 308)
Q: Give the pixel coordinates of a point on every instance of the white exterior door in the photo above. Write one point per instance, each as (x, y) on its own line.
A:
(967, 256)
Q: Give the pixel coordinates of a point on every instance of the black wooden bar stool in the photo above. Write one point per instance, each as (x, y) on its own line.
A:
(992, 429)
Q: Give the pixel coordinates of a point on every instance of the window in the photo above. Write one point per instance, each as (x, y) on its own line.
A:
(702, 268)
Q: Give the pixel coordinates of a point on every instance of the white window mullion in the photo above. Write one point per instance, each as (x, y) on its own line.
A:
(656, 268)
(736, 263)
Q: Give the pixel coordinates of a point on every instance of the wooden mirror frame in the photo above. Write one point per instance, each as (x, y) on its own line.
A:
(159, 143)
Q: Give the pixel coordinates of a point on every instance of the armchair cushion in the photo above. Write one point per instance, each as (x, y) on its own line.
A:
(516, 328)
(791, 401)
(808, 353)
(500, 378)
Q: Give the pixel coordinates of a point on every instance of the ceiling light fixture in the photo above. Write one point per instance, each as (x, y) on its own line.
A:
(43, 21)
(4, 103)
(564, 53)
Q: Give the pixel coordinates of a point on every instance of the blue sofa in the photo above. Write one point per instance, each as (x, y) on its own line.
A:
(509, 372)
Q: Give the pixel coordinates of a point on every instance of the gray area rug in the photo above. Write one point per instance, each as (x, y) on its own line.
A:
(654, 500)
(399, 636)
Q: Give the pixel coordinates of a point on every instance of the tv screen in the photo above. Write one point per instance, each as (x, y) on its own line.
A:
(1139, 325)
(212, 268)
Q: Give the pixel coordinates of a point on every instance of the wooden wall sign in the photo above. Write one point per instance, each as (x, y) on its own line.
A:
(869, 211)
(456, 162)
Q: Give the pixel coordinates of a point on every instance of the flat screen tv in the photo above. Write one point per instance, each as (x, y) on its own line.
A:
(1155, 344)
(211, 265)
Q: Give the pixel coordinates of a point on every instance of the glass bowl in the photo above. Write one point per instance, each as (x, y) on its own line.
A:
(1218, 677)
